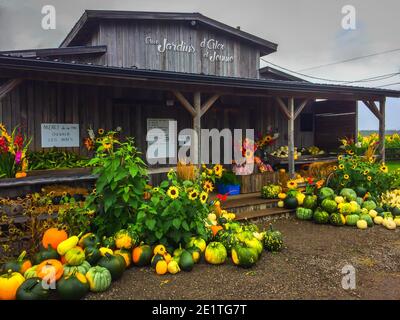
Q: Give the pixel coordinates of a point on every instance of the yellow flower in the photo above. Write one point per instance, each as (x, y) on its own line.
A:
(350, 152)
(100, 131)
(369, 178)
(346, 177)
(340, 158)
(249, 154)
(341, 166)
(107, 145)
(173, 192)
(291, 184)
(98, 140)
(203, 197)
(171, 174)
(193, 195)
(208, 186)
(335, 168)
(384, 168)
(366, 172)
(156, 189)
(354, 167)
(371, 160)
(218, 170)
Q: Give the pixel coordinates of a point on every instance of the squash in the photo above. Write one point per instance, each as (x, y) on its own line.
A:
(351, 219)
(50, 270)
(310, 202)
(372, 213)
(126, 255)
(304, 214)
(378, 220)
(215, 253)
(194, 251)
(141, 255)
(82, 268)
(9, 284)
(155, 259)
(186, 262)
(114, 264)
(368, 219)
(161, 267)
(280, 204)
(320, 216)
(159, 249)
(19, 265)
(67, 245)
(99, 279)
(282, 195)
(32, 289)
(244, 257)
(75, 256)
(73, 286)
(45, 254)
(92, 255)
(291, 202)
(390, 224)
(173, 267)
(53, 237)
(123, 240)
(273, 240)
(198, 242)
(31, 272)
(362, 224)
(104, 251)
(337, 219)
(89, 240)
(397, 221)
(329, 205)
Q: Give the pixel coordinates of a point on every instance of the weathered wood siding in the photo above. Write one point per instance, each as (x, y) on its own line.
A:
(126, 42)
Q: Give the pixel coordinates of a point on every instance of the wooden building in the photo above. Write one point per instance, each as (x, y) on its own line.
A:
(127, 69)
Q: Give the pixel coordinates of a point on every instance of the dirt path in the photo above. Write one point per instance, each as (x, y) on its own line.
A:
(308, 268)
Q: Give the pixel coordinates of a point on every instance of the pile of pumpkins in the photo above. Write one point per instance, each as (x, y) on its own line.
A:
(76, 265)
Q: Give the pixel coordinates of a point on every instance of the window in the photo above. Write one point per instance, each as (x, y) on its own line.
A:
(306, 122)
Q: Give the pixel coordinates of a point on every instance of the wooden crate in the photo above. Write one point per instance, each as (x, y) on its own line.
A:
(254, 182)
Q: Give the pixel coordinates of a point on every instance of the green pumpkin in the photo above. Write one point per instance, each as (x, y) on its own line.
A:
(46, 254)
(310, 202)
(92, 255)
(368, 219)
(32, 289)
(73, 286)
(89, 240)
(304, 214)
(227, 238)
(114, 264)
(335, 219)
(351, 219)
(329, 205)
(244, 257)
(273, 240)
(82, 268)
(186, 261)
(75, 256)
(141, 255)
(321, 216)
(99, 279)
(155, 259)
(291, 202)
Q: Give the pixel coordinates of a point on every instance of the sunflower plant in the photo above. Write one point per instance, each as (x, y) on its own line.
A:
(174, 212)
(120, 187)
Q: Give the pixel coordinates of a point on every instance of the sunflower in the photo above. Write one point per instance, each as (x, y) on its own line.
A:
(369, 178)
(341, 166)
(193, 195)
(107, 145)
(350, 152)
(366, 172)
(218, 170)
(268, 138)
(384, 168)
(249, 154)
(291, 184)
(203, 197)
(100, 131)
(98, 140)
(89, 144)
(354, 167)
(335, 168)
(346, 177)
(208, 186)
(173, 192)
(340, 158)
(156, 189)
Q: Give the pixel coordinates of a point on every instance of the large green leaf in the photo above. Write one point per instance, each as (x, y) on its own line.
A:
(151, 223)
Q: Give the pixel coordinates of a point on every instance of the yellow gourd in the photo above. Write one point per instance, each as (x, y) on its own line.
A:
(281, 204)
(362, 224)
(372, 213)
(397, 222)
(378, 220)
(282, 195)
(104, 251)
(390, 224)
(68, 244)
(161, 267)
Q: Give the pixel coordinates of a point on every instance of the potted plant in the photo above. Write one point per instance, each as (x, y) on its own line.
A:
(228, 184)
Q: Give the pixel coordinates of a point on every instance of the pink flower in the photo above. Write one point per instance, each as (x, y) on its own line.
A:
(18, 157)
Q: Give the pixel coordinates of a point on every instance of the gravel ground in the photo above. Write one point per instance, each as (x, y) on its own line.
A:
(309, 267)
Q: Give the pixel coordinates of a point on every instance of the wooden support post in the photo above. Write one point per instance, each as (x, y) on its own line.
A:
(283, 107)
(8, 87)
(197, 128)
(186, 104)
(291, 138)
(209, 103)
(300, 109)
(382, 129)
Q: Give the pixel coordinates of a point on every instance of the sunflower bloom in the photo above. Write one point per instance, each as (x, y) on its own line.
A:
(193, 195)
(208, 186)
(218, 170)
(173, 192)
(369, 178)
(366, 172)
(292, 184)
(340, 158)
(156, 189)
(384, 168)
(203, 197)
(341, 166)
(100, 131)
(346, 177)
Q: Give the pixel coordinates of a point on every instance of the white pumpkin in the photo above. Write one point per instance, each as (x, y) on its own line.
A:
(362, 224)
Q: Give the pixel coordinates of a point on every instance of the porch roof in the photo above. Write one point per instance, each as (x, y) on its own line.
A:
(56, 70)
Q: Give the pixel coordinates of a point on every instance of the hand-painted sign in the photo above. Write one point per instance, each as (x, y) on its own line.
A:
(61, 135)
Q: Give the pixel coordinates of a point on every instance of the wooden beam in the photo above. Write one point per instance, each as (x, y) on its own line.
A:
(291, 138)
(209, 103)
(374, 109)
(382, 129)
(9, 86)
(283, 107)
(186, 104)
(197, 128)
(300, 108)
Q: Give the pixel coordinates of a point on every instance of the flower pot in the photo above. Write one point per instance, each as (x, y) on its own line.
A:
(230, 189)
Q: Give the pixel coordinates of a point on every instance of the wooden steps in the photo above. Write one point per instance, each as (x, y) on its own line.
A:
(265, 214)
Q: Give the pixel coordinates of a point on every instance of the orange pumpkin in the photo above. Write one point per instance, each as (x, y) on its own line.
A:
(215, 229)
(9, 284)
(50, 270)
(53, 237)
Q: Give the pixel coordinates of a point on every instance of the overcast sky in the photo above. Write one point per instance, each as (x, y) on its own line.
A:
(309, 33)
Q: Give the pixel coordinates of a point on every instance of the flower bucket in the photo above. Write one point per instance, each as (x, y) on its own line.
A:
(230, 189)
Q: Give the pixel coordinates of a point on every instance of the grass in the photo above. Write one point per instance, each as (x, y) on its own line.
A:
(393, 165)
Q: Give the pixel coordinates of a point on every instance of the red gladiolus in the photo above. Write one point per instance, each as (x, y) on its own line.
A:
(19, 141)
(3, 144)
(222, 197)
(310, 180)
